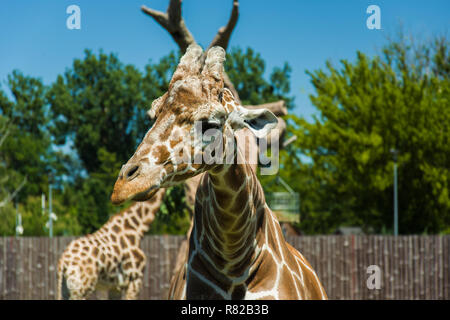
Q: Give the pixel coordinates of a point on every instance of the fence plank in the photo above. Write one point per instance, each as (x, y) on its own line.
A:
(413, 267)
(446, 267)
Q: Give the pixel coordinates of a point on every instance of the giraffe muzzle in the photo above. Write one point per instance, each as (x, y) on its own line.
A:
(133, 184)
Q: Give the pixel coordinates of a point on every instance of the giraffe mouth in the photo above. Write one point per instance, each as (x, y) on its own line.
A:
(146, 195)
(132, 190)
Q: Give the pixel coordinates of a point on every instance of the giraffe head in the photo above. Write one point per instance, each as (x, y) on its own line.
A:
(195, 122)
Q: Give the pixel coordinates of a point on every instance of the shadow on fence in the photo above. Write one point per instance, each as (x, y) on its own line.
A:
(412, 267)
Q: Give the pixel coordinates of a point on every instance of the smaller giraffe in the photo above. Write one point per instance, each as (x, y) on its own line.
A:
(110, 258)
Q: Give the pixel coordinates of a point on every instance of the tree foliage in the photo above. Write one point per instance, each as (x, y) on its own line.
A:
(27, 159)
(343, 161)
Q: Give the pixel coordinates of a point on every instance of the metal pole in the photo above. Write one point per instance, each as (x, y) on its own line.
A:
(395, 201)
(17, 221)
(43, 203)
(50, 220)
(395, 156)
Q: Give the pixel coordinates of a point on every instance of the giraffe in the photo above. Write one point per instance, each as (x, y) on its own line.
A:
(236, 246)
(110, 258)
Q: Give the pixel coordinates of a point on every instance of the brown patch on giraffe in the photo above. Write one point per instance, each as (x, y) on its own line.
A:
(139, 258)
(260, 214)
(176, 141)
(116, 228)
(127, 225)
(165, 134)
(123, 243)
(116, 250)
(224, 219)
(95, 252)
(132, 239)
(223, 197)
(127, 265)
(113, 237)
(289, 256)
(240, 201)
(219, 261)
(209, 271)
(233, 178)
(234, 239)
(144, 152)
(135, 221)
(161, 154)
(286, 278)
(226, 97)
(229, 107)
(239, 268)
(102, 258)
(139, 212)
(89, 271)
(262, 278)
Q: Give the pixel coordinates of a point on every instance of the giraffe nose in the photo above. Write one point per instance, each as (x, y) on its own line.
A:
(130, 171)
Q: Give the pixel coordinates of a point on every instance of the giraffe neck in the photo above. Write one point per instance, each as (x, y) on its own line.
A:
(138, 217)
(231, 204)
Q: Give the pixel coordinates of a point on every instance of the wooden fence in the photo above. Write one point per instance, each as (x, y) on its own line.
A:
(412, 267)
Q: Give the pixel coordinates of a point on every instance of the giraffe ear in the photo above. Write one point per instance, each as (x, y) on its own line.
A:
(259, 121)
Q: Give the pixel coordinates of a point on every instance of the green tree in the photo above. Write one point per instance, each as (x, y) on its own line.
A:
(26, 155)
(343, 163)
(27, 152)
(99, 103)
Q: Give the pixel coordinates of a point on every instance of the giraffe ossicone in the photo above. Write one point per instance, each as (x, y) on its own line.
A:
(236, 247)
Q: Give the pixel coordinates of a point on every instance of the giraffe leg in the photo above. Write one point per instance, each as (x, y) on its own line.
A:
(80, 293)
(134, 288)
(80, 287)
(133, 269)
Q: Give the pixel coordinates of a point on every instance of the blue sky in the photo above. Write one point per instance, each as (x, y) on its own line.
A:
(35, 39)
